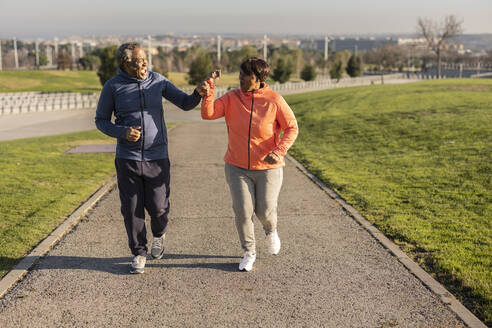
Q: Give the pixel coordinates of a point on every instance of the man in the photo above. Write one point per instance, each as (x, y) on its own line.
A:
(134, 95)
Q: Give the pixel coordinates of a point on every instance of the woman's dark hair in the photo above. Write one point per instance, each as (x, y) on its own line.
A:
(256, 66)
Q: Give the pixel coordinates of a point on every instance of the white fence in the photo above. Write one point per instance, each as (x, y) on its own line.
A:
(297, 87)
(26, 102)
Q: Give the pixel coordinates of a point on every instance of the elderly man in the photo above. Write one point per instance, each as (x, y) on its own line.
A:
(134, 95)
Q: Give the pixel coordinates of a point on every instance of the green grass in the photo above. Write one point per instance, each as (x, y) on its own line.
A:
(416, 160)
(76, 81)
(79, 81)
(227, 79)
(40, 186)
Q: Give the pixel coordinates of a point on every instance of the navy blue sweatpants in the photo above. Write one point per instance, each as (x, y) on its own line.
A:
(143, 185)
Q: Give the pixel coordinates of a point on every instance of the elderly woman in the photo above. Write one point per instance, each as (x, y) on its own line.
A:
(255, 116)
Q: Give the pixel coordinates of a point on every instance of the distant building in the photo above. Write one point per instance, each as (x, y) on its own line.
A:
(340, 44)
(411, 41)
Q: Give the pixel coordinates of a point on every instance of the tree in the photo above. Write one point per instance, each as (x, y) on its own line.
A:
(308, 73)
(336, 71)
(64, 60)
(232, 59)
(436, 35)
(90, 62)
(282, 71)
(199, 69)
(43, 60)
(109, 64)
(355, 66)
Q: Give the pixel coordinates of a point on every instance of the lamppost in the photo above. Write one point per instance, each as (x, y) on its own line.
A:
(149, 38)
(218, 49)
(1, 67)
(16, 57)
(265, 50)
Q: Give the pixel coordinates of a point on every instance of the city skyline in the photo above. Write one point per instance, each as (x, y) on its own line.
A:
(52, 18)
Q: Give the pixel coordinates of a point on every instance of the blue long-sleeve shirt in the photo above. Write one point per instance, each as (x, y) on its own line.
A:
(136, 102)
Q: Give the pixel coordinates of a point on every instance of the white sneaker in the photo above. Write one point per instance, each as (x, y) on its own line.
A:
(138, 264)
(157, 249)
(247, 262)
(273, 243)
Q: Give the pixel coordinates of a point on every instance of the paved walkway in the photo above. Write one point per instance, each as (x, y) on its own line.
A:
(39, 124)
(330, 271)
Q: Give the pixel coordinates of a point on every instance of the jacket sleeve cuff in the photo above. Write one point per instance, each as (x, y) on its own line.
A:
(196, 94)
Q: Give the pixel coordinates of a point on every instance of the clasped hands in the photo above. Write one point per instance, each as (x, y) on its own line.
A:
(204, 88)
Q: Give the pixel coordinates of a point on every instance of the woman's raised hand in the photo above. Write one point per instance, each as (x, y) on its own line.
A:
(214, 75)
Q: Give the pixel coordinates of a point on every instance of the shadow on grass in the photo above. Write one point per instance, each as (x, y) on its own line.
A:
(119, 265)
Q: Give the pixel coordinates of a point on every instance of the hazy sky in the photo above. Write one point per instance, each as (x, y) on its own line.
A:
(48, 18)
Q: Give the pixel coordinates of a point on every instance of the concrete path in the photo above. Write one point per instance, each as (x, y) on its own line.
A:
(40, 124)
(330, 271)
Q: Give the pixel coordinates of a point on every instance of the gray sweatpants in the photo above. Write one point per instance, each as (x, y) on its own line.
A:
(254, 191)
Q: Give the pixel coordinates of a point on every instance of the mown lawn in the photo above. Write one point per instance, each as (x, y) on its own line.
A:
(416, 160)
(79, 81)
(76, 81)
(40, 186)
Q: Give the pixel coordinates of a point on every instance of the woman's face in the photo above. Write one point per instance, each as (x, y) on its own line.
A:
(248, 82)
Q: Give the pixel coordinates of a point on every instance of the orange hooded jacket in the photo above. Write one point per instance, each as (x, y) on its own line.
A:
(254, 121)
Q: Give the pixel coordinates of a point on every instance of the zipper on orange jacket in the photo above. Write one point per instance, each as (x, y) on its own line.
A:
(249, 132)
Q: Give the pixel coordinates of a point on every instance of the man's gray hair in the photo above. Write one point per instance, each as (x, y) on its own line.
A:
(125, 52)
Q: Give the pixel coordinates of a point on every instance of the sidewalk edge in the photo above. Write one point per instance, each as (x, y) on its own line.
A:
(446, 297)
(20, 270)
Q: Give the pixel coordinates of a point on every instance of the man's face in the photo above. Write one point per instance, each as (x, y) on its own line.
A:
(138, 66)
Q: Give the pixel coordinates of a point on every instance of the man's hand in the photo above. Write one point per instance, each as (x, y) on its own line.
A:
(272, 158)
(203, 89)
(133, 133)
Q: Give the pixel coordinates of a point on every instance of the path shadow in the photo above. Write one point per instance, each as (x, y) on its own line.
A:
(120, 265)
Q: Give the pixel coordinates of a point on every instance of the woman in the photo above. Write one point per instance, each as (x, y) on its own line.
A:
(254, 115)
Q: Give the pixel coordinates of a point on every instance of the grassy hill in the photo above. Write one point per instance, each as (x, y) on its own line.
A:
(78, 81)
(416, 160)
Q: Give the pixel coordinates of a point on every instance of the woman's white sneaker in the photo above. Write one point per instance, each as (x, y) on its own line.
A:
(273, 243)
(247, 262)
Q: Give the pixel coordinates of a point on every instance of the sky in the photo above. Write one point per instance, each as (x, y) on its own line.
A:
(49, 18)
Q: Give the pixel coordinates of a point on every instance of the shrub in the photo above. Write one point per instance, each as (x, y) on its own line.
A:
(282, 71)
(308, 73)
(199, 69)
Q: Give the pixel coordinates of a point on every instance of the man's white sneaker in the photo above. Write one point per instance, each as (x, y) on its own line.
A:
(138, 264)
(247, 262)
(157, 249)
(273, 243)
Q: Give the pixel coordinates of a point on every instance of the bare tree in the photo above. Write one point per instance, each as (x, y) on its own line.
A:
(436, 34)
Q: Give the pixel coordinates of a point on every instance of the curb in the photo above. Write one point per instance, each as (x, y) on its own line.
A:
(446, 297)
(21, 269)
